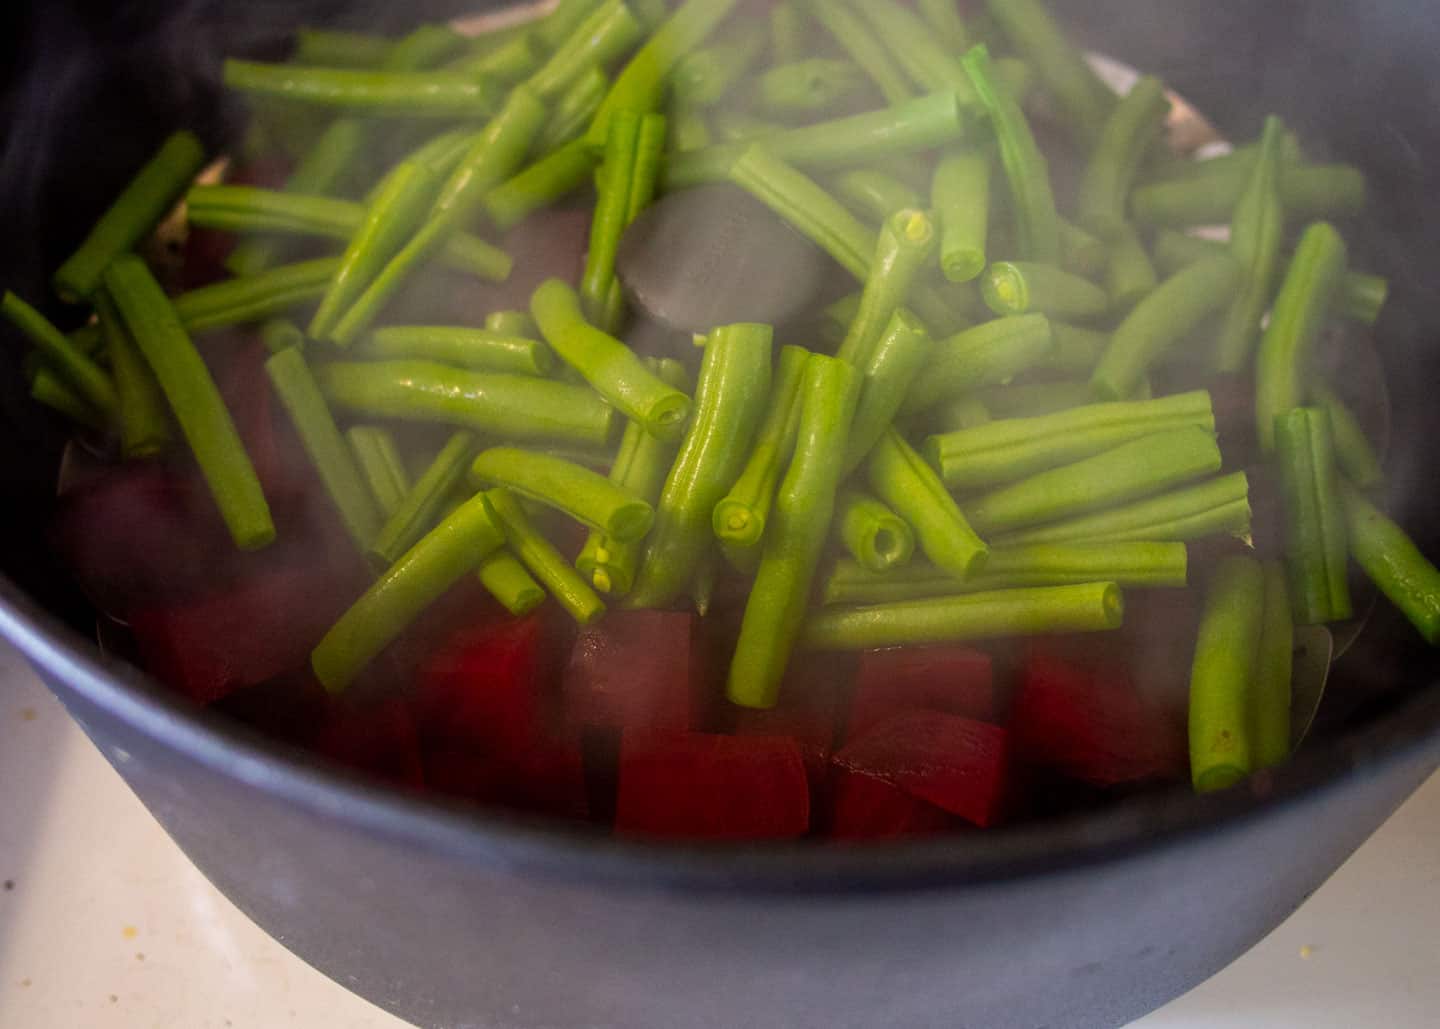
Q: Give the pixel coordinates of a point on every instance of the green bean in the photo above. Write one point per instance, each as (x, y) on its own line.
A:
(1035, 399)
(375, 93)
(250, 209)
(540, 185)
(512, 323)
(561, 23)
(495, 154)
(733, 127)
(965, 413)
(378, 458)
(281, 334)
(1362, 297)
(515, 407)
(1174, 250)
(418, 511)
(144, 419)
(567, 487)
(704, 77)
(543, 561)
(1353, 450)
(391, 217)
(1082, 253)
(943, 17)
(804, 510)
(55, 393)
(1255, 235)
(1132, 126)
(906, 242)
(141, 205)
(1077, 350)
(862, 46)
(1018, 287)
(914, 47)
(1393, 562)
(741, 516)
(609, 33)
(641, 86)
(689, 130)
(572, 112)
(1221, 675)
(987, 355)
(198, 408)
(1216, 507)
(1025, 166)
(1270, 697)
(454, 548)
(82, 374)
(854, 141)
(481, 349)
(607, 364)
(874, 193)
(1080, 94)
(901, 478)
(730, 400)
(961, 197)
(612, 207)
(788, 30)
(339, 49)
(1137, 564)
(900, 355)
(1315, 547)
(509, 62)
(254, 298)
(506, 579)
(1130, 276)
(807, 88)
(1091, 607)
(1130, 471)
(873, 534)
(1164, 317)
(1312, 191)
(1296, 319)
(1004, 451)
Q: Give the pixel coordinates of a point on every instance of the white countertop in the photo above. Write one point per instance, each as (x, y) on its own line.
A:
(105, 924)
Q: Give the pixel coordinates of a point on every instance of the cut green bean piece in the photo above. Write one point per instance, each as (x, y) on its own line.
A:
(421, 507)
(990, 354)
(874, 535)
(560, 24)
(515, 589)
(961, 197)
(254, 298)
(512, 324)
(965, 413)
(1130, 471)
(1393, 562)
(1270, 730)
(1081, 95)
(340, 49)
(573, 111)
(1035, 399)
(1091, 607)
(906, 242)
(788, 30)
(1082, 253)
(509, 62)
(1132, 126)
(1221, 675)
(515, 407)
(1296, 319)
(610, 32)
(454, 548)
(901, 354)
(704, 78)
(943, 17)
(1256, 231)
(145, 428)
(868, 52)
(1314, 191)
(1219, 506)
(567, 487)
(540, 185)
(281, 334)
(804, 509)
(543, 561)
(484, 350)
(807, 88)
(1004, 451)
(730, 402)
(901, 478)
(55, 393)
(194, 399)
(375, 93)
(379, 460)
(874, 193)
(915, 48)
(1130, 276)
(139, 208)
(87, 378)
(1353, 450)
(1159, 321)
(1315, 547)
(1021, 287)
(1077, 350)
(740, 517)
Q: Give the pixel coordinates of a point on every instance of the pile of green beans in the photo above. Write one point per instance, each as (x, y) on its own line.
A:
(1004, 427)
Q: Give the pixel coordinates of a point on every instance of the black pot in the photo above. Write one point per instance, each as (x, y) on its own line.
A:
(453, 917)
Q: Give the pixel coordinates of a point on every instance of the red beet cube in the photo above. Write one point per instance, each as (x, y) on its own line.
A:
(380, 739)
(864, 807)
(957, 764)
(1088, 721)
(483, 686)
(706, 787)
(636, 671)
(809, 711)
(280, 461)
(954, 680)
(548, 779)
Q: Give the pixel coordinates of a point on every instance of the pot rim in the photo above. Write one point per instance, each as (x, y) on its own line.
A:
(552, 848)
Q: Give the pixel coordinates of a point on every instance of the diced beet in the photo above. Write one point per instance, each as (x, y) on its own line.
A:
(270, 440)
(865, 807)
(380, 739)
(482, 687)
(957, 764)
(811, 702)
(206, 251)
(549, 779)
(636, 671)
(290, 707)
(707, 787)
(954, 680)
(1089, 721)
(138, 532)
(261, 626)
(267, 172)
